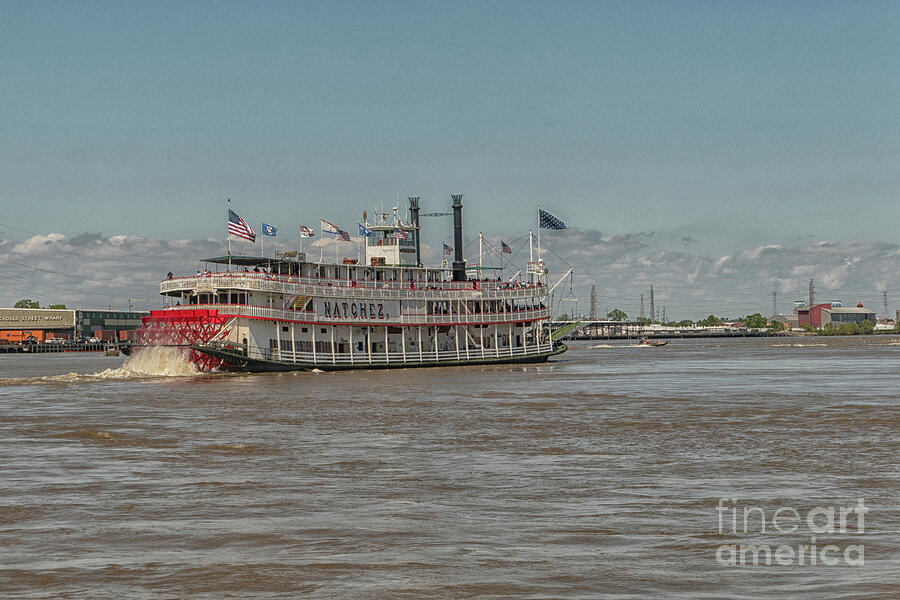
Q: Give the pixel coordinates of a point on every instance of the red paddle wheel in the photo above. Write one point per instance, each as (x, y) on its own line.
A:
(183, 327)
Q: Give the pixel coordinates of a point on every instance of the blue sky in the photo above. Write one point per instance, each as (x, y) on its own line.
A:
(734, 124)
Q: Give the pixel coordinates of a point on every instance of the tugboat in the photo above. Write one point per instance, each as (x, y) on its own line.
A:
(290, 313)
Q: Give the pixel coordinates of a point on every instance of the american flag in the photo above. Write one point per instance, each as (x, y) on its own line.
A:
(342, 236)
(400, 234)
(548, 221)
(237, 226)
(504, 248)
(448, 250)
(306, 232)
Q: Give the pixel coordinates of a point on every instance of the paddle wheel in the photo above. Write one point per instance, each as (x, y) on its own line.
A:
(184, 328)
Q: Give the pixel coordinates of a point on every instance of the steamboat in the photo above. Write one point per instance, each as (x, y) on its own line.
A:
(381, 310)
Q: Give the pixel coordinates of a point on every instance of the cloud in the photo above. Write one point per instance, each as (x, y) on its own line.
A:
(690, 283)
(92, 270)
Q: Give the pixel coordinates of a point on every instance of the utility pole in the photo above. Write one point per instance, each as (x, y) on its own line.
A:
(593, 303)
(812, 293)
(642, 308)
(653, 314)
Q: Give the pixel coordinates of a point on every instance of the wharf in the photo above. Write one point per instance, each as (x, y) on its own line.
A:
(44, 348)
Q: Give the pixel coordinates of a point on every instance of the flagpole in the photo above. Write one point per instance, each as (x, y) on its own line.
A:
(227, 235)
(262, 235)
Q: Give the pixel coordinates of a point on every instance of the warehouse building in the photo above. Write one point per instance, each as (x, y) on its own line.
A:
(821, 314)
(42, 324)
(36, 324)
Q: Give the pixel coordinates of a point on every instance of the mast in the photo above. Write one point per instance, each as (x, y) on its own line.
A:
(480, 250)
(530, 253)
(228, 235)
(539, 233)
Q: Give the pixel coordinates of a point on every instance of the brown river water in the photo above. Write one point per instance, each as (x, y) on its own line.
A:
(611, 472)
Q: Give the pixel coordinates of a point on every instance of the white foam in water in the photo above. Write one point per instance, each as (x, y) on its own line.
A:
(150, 361)
(154, 361)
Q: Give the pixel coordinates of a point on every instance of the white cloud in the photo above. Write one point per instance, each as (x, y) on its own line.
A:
(92, 270)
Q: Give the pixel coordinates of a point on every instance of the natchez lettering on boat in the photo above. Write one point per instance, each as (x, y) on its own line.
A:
(356, 310)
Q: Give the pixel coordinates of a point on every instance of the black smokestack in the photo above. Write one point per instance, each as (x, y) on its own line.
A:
(459, 265)
(414, 215)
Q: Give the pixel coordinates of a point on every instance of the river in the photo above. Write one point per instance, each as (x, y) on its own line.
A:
(613, 471)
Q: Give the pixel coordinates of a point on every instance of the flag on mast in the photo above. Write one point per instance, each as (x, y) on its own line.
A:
(364, 231)
(306, 232)
(329, 227)
(343, 236)
(239, 227)
(399, 234)
(269, 230)
(548, 221)
(504, 248)
(448, 250)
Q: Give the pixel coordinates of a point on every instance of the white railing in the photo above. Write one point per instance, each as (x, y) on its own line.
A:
(382, 358)
(333, 288)
(476, 318)
(277, 314)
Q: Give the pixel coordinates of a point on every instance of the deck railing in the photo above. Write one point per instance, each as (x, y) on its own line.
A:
(337, 288)
(277, 314)
(411, 356)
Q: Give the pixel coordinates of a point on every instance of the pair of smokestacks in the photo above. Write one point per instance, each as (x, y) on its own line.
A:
(459, 265)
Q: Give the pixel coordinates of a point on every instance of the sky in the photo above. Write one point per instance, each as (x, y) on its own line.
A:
(717, 150)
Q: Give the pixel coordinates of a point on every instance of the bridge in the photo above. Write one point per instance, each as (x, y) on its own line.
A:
(597, 329)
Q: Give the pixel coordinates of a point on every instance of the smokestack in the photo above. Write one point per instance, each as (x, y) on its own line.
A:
(414, 215)
(459, 265)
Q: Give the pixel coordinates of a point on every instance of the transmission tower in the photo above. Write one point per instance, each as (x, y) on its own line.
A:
(653, 314)
(884, 302)
(664, 321)
(812, 293)
(774, 302)
(642, 308)
(593, 303)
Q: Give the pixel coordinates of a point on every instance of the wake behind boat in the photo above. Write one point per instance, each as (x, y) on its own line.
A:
(289, 313)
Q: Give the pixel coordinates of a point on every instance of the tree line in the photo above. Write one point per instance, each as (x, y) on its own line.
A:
(29, 303)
